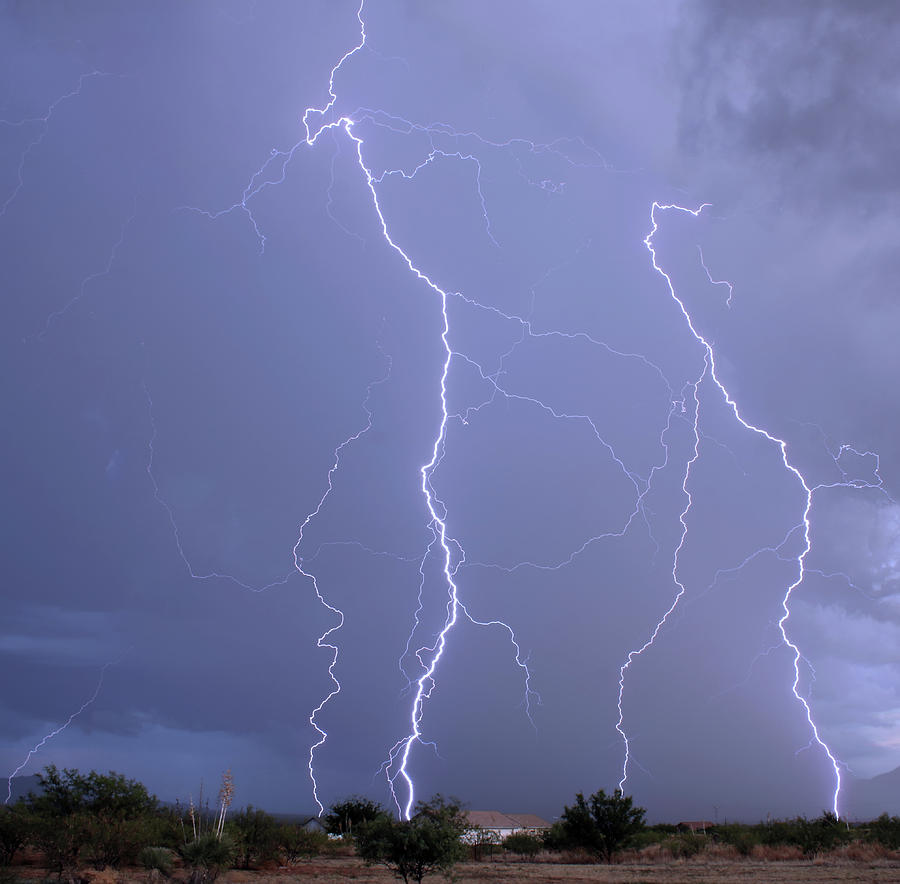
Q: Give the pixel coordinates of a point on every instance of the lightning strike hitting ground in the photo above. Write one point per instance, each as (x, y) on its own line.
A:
(447, 145)
(803, 525)
(56, 731)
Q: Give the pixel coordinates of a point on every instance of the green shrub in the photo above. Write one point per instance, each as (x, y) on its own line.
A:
(206, 856)
(159, 858)
(885, 831)
(524, 844)
(296, 843)
(16, 828)
(256, 835)
(684, 845)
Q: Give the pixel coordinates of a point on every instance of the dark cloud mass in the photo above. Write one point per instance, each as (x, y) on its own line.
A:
(200, 308)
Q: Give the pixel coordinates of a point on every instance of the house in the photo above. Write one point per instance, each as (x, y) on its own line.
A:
(696, 826)
(491, 826)
(311, 823)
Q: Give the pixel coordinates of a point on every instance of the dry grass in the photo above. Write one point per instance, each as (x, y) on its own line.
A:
(856, 863)
(703, 870)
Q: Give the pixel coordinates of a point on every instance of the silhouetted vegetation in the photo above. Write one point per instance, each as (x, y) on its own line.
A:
(430, 841)
(344, 816)
(602, 824)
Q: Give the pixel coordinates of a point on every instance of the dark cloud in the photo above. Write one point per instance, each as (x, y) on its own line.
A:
(799, 89)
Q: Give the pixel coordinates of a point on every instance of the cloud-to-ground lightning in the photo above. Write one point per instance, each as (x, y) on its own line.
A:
(803, 525)
(445, 144)
(325, 640)
(57, 730)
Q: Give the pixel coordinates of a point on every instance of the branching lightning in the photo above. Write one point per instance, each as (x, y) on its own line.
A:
(43, 123)
(448, 144)
(803, 526)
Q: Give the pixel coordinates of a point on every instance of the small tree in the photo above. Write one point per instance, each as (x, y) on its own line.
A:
(257, 836)
(603, 824)
(106, 818)
(413, 848)
(343, 817)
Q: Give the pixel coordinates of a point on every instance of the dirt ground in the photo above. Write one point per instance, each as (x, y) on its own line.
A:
(336, 870)
(701, 871)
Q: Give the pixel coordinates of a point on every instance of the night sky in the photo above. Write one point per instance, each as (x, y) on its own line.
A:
(423, 333)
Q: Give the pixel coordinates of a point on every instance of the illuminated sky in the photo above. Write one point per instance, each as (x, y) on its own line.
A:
(200, 308)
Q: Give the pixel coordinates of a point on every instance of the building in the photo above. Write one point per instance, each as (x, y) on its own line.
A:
(492, 826)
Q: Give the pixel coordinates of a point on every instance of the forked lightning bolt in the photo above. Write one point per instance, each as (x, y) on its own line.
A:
(803, 526)
(447, 144)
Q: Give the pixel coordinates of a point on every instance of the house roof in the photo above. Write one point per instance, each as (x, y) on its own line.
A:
(529, 820)
(493, 819)
(490, 819)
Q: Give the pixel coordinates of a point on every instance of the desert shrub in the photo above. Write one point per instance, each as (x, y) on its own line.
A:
(647, 837)
(344, 816)
(774, 833)
(295, 842)
(556, 838)
(820, 834)
(256, 836)
(103, 818)
(206, 856)
(428, 842)
(602, 823)
(743, 838)
(684, 845)
(15, 831)
(885, 831)
(158, 858)
(524, 844)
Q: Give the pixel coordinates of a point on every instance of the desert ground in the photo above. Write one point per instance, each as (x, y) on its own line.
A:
(333, 870)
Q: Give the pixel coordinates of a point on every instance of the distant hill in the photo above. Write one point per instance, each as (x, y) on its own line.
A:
(21, 786)
(867, 799)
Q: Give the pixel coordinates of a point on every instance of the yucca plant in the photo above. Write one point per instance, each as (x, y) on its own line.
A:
(157, 859)
(206, 856)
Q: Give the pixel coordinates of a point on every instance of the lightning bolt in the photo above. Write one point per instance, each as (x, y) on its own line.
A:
(56, 731)
(326, 639)
(447, 144)
(803, 526)
(43, 124)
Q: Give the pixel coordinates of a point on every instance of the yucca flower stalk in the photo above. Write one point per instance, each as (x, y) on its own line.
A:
(226, 795)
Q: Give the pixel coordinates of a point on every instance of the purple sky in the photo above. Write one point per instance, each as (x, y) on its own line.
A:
(201, 308)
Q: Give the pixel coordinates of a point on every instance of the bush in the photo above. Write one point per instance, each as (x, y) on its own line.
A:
(602, 824)
(342, 818)
(296, 842)
(256, 836)
(159, 858)
(823, 833)
(524, 844)
(742, 838)
(16, 829)
(105, 817)
(684, 845)
(206, 856)
(885, 831)
(412, 848)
